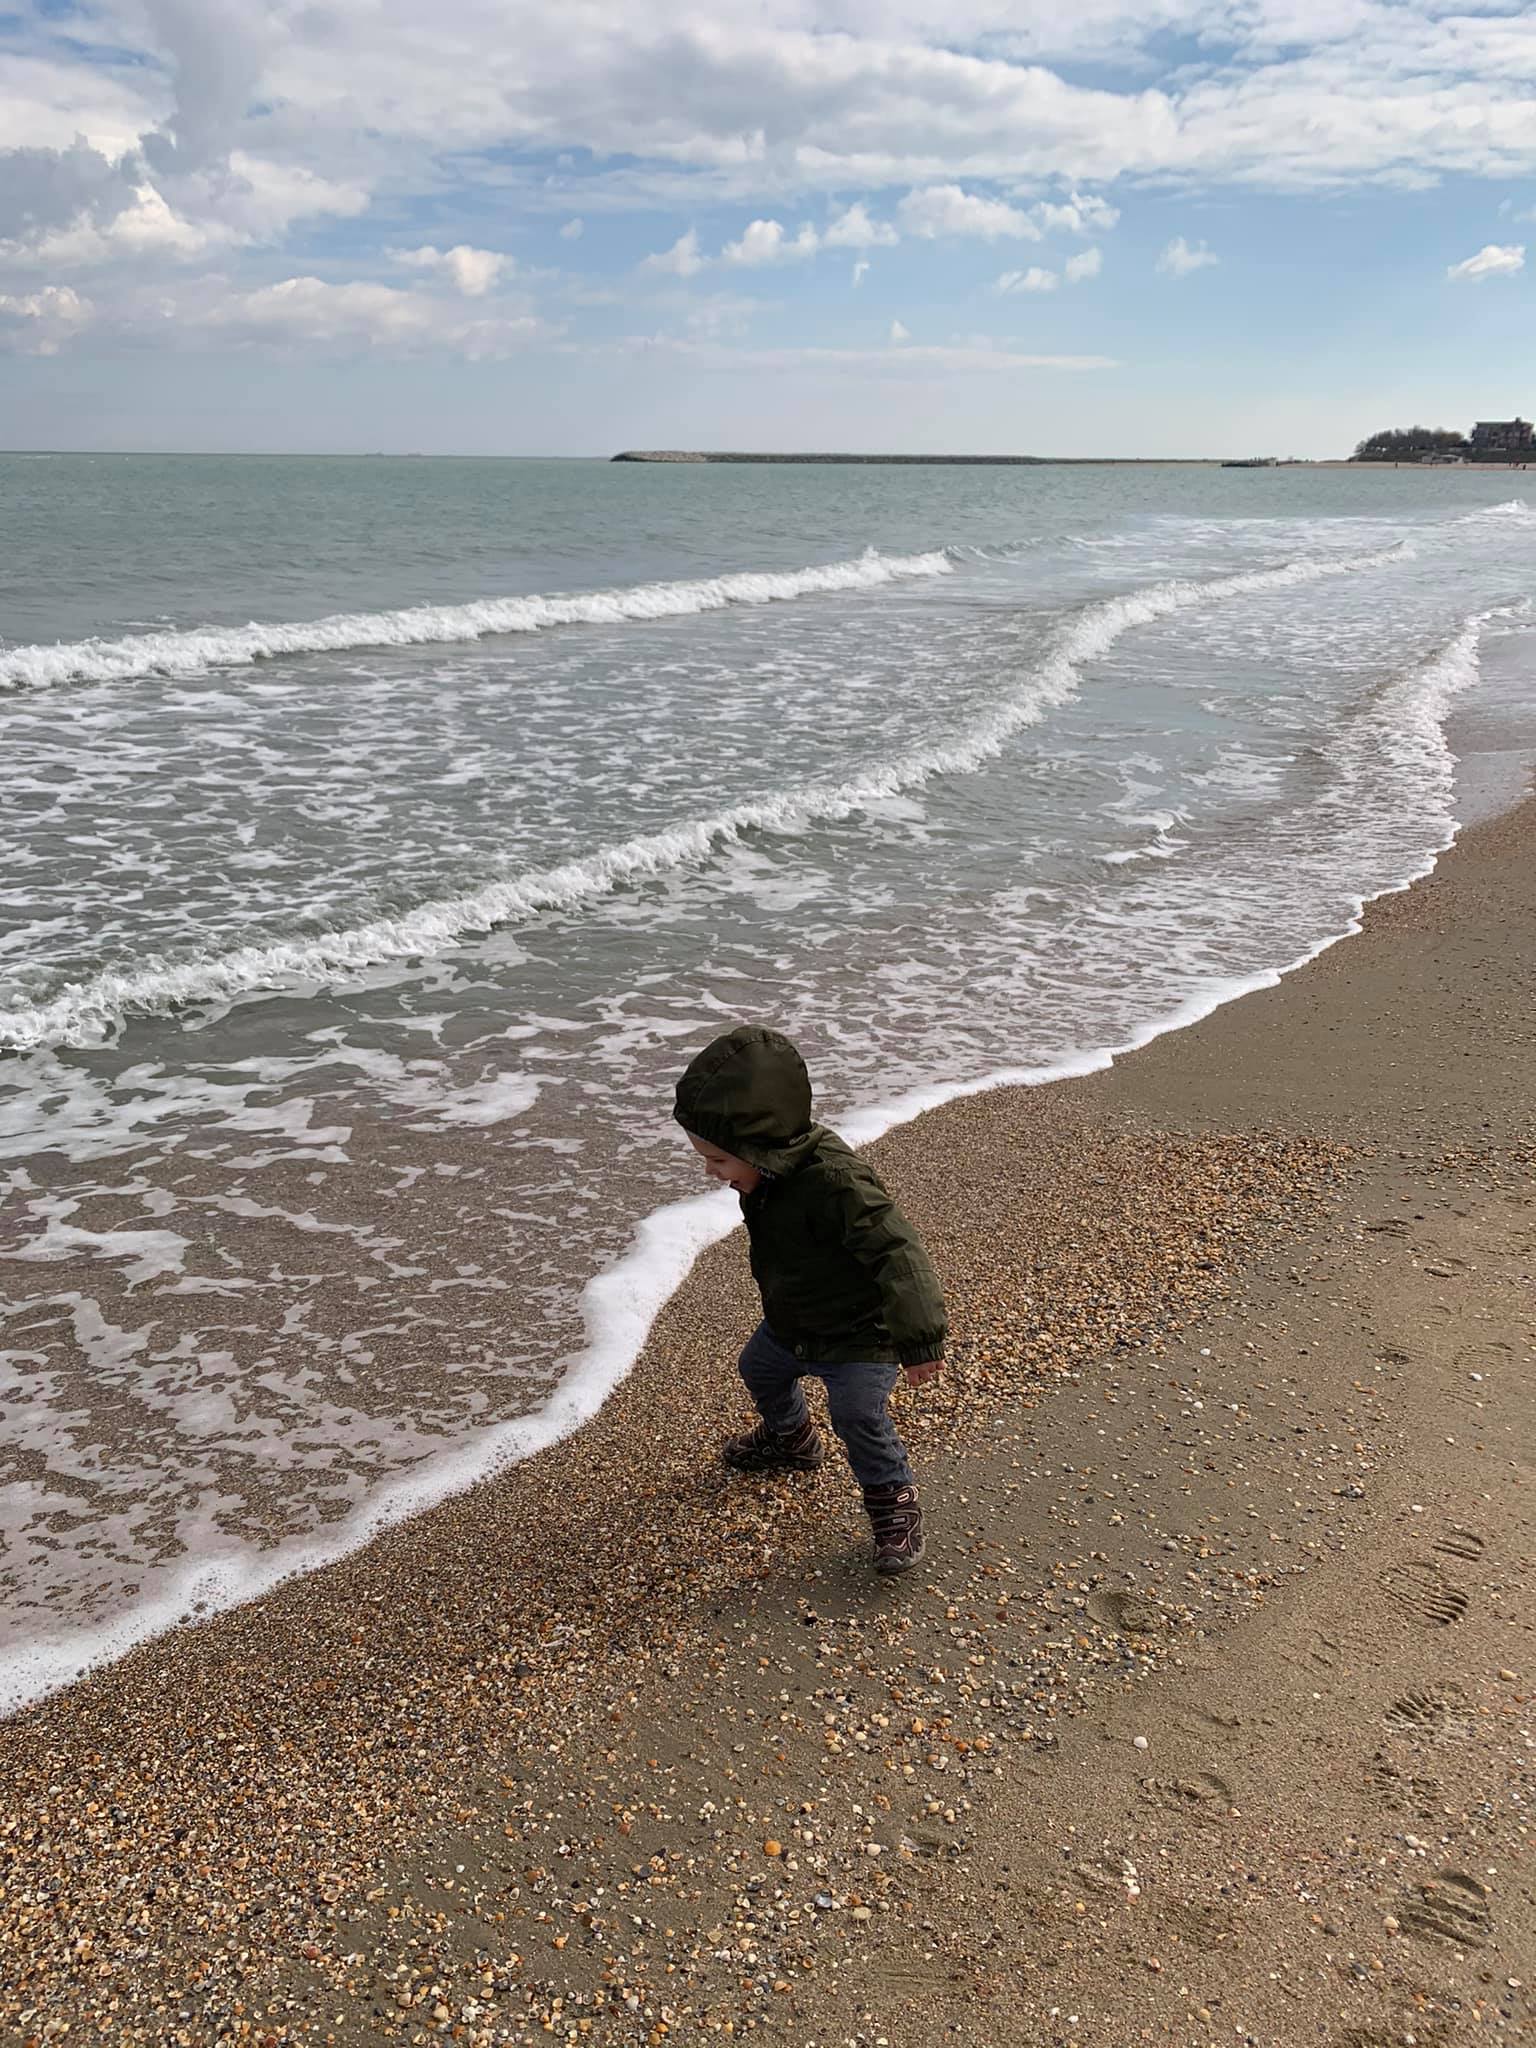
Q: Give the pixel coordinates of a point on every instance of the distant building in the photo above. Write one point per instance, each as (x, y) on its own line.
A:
(1492, 441)
(1503, 437)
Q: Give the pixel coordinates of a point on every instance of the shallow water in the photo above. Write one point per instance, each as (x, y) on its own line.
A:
(348, 956)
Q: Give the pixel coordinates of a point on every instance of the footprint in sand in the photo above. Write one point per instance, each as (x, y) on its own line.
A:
(1458, 1542)
(1132, 1614)
(1423, 1591)
(1432, 1710)
(1204, 1794)
(1207, 1722)
(1485, 1357)
(1428, 2034)
(911, 1979)
(1405, 1790)
(1449, 1907)
(1319, 1654)
(1476, 1366)
(1202, 1925)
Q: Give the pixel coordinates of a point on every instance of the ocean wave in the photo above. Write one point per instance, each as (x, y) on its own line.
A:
(89, 1012)
(177, 653)
(1404, 727)
(1508, 510)
(619, 1305)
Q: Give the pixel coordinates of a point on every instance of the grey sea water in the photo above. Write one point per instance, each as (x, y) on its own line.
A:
(379, 836)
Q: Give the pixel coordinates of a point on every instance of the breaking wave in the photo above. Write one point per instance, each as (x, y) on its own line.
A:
(1510, 510)
(89, 1012)
(208, 647)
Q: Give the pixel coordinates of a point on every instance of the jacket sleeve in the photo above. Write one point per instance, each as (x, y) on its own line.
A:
(891, 1252)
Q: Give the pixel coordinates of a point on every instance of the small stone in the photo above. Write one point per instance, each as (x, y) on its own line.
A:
(773, 1848)
(1507, 1675)
(1140, 1742)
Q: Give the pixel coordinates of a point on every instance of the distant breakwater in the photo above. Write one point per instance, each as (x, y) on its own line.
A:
(931, 461)
(698, 455)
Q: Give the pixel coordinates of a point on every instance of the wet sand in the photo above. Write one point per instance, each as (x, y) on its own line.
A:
(1208, 1720)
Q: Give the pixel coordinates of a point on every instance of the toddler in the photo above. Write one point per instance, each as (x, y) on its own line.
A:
(849, 1294)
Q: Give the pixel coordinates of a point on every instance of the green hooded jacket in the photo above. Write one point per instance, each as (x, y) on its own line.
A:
(843, 1275)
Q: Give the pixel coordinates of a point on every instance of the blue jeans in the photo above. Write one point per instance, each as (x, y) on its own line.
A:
(856, 1399)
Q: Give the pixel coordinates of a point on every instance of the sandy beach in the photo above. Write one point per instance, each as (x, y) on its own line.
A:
(1209, 1720)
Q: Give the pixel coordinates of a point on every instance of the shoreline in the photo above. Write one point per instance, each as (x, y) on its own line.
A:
(448, 1698)
(705, 456)
(619, 1308)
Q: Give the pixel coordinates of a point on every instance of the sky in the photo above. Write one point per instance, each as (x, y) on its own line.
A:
(491, 227)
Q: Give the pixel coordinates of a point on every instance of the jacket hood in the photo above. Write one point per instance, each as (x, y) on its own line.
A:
(749, 1093)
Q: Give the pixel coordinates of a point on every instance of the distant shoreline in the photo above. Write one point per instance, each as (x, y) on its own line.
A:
(696, 457)
(693, 456)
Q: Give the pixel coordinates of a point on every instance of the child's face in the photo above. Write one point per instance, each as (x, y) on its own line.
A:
(726, 1167)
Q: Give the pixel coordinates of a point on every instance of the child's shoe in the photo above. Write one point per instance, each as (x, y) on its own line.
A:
(897, 1521)
(773, 1450)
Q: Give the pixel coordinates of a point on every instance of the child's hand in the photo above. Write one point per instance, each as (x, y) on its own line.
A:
(916, 1374)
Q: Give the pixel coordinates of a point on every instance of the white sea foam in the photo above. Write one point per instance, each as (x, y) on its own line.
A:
(1509, 510)
(151, 1252)
(213, 647)
(620, 1305)
(88, 1012)
(618, 1308)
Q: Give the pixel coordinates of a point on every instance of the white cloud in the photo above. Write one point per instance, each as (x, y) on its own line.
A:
(855, 230)
(147, 227)
(1493, 260)
(472, 271)
(364, 316)
(683, 259)
(1086, 263)
(249, 202)
(949, 210)
(1179, 259)
(793, 96)
(52, 101)
(765, 241)
(1032, 280)
(260, 197)
(199, 132)
(216, 52)
(899, 334)
(39, 323)
(573, 230)
(1082, 214)
(860, 271)
(43, 190)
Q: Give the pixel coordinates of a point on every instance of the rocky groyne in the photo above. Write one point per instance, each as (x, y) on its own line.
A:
(723, 455)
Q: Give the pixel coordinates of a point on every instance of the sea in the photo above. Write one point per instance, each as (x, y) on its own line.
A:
(380, 837)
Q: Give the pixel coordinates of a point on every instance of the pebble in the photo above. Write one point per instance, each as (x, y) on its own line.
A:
(217, 1837)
